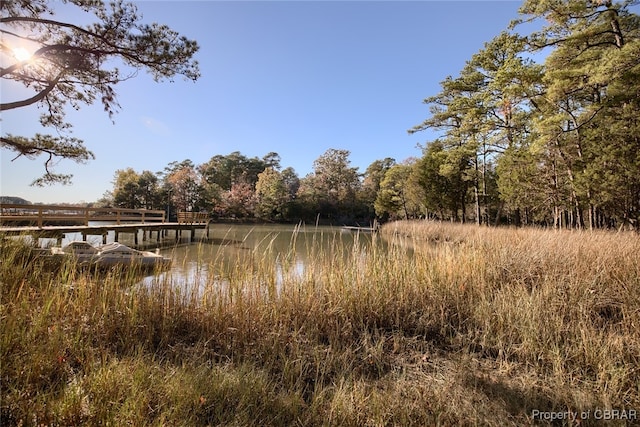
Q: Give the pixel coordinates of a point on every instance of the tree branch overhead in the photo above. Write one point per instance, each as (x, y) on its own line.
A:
(75, 65)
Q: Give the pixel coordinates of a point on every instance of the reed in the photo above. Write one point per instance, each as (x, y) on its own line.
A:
(425, 324)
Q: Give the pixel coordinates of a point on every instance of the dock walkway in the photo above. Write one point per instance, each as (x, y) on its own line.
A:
(53, 221)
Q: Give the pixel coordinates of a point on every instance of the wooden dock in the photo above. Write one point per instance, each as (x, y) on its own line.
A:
(44, 215)
(349, 229)
(54, 221)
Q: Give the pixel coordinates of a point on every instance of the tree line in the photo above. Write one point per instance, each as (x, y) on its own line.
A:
(235, 186)
(554, 143)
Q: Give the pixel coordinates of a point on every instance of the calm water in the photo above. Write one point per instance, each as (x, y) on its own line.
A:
(234, 249)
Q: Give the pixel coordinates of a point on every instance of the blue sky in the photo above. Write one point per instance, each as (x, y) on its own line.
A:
(294, 77)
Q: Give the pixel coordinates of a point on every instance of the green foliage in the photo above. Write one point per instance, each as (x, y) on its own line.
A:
(375, 173)
(594, 56)
(371, 179)
(553, 143)
(272, 195)
(335, 178)
(441, 188)
(399, 195)
(74, 65)
(134, 191)
(563, 134)
(230, 184)
(331, 190)
(52, 147)
(236, 168)
(480, 113)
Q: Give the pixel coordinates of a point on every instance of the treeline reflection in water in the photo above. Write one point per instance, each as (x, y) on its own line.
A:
(264, 255)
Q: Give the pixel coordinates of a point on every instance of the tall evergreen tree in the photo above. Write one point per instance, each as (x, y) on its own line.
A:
(595, 54)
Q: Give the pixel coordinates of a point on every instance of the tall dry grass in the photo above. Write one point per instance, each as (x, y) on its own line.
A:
(428, 324)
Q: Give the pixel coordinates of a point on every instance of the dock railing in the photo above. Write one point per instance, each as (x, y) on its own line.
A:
(41, 215)
(193, 217)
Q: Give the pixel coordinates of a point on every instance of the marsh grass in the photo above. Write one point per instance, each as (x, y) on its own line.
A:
(425, 324)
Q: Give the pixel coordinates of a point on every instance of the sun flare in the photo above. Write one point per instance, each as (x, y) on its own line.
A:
(21, 54)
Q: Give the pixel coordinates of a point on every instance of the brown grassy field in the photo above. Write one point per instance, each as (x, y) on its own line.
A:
(432, 324)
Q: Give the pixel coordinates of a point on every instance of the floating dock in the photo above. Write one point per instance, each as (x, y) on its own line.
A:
(359, 229)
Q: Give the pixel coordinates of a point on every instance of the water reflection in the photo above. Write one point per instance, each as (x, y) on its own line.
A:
(284, 252)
